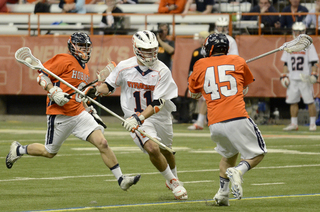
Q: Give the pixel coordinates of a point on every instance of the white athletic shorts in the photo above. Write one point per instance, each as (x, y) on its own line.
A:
(238, 136)
(162, 131)
(298, 89)
(60, 127)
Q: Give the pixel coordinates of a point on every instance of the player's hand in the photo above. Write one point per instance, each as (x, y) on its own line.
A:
(132, 123)
(58, 96)
(91, 92)
(95, 115)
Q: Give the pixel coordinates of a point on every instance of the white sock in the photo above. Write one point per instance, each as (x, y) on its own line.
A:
(201, 119)
(168, 174)
(243, 167)
(174, 172)
(294, 120)
(224, 184)
(312, 120)
(116, 171)
(22, 150)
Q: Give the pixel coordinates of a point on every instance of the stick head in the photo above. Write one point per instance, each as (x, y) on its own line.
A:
(302, 42)
(24, 56)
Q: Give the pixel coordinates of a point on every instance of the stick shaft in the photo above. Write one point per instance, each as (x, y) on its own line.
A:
(263, 55)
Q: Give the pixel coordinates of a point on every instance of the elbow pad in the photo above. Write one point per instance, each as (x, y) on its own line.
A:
(158, 105)
(43, 81)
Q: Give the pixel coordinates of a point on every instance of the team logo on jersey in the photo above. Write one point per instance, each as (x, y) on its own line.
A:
(79, 75)
(140, 86)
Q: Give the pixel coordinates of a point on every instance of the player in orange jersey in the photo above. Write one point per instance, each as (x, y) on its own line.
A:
(70, 116)
(221, 79)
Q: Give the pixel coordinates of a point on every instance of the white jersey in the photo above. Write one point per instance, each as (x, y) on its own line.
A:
(299, 62)
(141, 85)
(233, 48)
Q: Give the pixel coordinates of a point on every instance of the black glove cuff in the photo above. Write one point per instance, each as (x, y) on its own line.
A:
(137, 118)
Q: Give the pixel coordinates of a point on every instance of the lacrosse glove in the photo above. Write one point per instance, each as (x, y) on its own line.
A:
(58, 96)
(313, 78)
(284, 79)
(132, 123)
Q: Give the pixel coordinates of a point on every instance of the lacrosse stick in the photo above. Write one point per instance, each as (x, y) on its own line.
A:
(302, 42)
(24, 56)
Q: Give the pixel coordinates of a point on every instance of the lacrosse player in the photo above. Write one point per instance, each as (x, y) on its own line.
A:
(222, 80)
(147, 88)
(70, 116)
(300, 72)
(221, 26)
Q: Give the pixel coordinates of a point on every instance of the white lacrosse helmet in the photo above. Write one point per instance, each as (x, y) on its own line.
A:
(222, 25)
(145, 47)
(298, 28)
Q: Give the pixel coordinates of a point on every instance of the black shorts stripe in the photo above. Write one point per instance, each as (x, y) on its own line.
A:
(50, 130)
(259, 136)
(140, 141)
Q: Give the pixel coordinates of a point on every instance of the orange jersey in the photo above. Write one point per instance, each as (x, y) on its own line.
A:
(69, 69)
(221, 79)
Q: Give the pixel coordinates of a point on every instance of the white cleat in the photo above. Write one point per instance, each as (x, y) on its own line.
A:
(291, 127)
(178, 190)
(168, 185)
(221, 198)
(128, 181)
(12, 156)
(236, 180)
(195, 126)
(312, 127)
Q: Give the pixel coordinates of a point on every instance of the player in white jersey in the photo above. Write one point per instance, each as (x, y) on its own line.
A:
(147, 88)
(300, 72)
(222, 26)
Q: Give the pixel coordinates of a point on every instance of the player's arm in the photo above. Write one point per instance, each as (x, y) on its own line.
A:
(314, 72)
(55, 93)
(104, 89)
(132, 123)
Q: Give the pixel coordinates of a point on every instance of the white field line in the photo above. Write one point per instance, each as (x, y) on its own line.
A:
(150, 173)
(280, 183)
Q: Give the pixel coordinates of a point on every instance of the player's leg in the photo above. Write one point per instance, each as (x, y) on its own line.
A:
(293, 98)
(202, 115)
(159, 161)
(88, 129)
(247, 139)
(164, 133)
(55, 136)
(313, 116)
(307, 96)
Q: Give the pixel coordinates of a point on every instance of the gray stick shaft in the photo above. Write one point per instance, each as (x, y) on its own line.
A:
(263, 55)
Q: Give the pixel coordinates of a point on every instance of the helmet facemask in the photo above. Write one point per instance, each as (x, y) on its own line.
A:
(80, 46)
(145, 47)
(147, 56)
(222, 25)
(298, 28)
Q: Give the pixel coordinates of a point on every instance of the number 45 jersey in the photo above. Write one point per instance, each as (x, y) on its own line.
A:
(141, 85)
(299, 62)
(221, 79)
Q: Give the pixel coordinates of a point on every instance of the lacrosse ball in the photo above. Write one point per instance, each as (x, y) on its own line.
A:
(28, 60)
